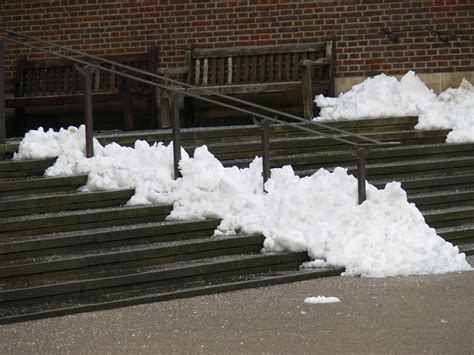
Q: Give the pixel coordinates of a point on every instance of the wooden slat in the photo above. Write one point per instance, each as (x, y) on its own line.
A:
(197, 72)
(213, 68)
(113, 82)
(287, 71)
(246, 69)
(237, 70)
(205, 75)
(263, 69)
(221, 63)
(271, 68)
(296, 64)
(97, 81)
(253, 77)
(229, 70)
(279, 67)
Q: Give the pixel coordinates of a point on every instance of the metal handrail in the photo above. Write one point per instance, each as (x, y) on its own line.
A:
(359, 149)
(199, 89)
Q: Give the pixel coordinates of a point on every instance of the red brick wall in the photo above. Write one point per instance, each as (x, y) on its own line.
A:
(113, 26)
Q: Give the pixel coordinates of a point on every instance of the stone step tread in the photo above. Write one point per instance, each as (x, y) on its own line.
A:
(441, 193)
(454, 209)
(425, 177)
(68, 195)
(10, 291)
(257, 142)
(99, 255)
(417, 148)
(103, 234)
(14, 185)
(13, 165)
(466, 248)
(50, 308)
(451, 229)
(90, 211)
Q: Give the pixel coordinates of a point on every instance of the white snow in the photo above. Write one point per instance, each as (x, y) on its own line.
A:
(319, 214)
(321, 300)
(385, 96)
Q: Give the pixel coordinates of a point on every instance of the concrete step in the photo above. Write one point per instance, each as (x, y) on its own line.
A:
(31, 204)
(112, 236)
(82, 219)
(53, 306)
(428, 182)
(443, 199)
(409, 168)
(313, 144)
(452, 216)
(143, 276)
(208, 135)
(103, 258)
(458, 234)
(377, 155)
(40, 185)
(24, 168)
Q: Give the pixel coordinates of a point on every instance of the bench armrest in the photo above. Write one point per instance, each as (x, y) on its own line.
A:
(320, 61)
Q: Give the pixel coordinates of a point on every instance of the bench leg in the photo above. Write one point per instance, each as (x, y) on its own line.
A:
(189, 112)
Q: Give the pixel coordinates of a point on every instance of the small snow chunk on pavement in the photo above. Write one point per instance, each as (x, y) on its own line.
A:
(321, 299)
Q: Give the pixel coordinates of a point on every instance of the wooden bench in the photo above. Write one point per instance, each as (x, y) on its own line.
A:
(261, 69)
(55, 82)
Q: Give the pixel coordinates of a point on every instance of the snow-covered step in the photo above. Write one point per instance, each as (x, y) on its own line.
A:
(39, 185)
(111, 236)
(27, 310)
(142, 276)
(29, 204)
(71, 263)
(24, 168)
(74, 220)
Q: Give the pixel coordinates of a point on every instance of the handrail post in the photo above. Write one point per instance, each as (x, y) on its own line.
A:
(176, 130)
(266, 150)
(3, 119)
(265, 134)
(361, 154)
(88, 117)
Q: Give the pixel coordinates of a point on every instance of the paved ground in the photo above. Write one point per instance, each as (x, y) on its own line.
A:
(422, 314)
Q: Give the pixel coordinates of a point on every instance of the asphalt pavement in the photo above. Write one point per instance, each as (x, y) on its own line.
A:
(395, 315)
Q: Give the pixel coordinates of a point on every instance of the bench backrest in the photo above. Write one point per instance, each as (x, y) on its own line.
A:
(54, 77)
(255, 64)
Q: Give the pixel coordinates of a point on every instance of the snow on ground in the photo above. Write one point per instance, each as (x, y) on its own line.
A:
(321, 299)
(319, 214)
(385, 96)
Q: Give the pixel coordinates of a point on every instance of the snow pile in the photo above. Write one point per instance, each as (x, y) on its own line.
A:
(384, 236)
(321, 299)
(385, 96)
(380, 96)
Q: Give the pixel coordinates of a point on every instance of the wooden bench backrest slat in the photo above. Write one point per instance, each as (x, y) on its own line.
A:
(254, 65)
(60, 77)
